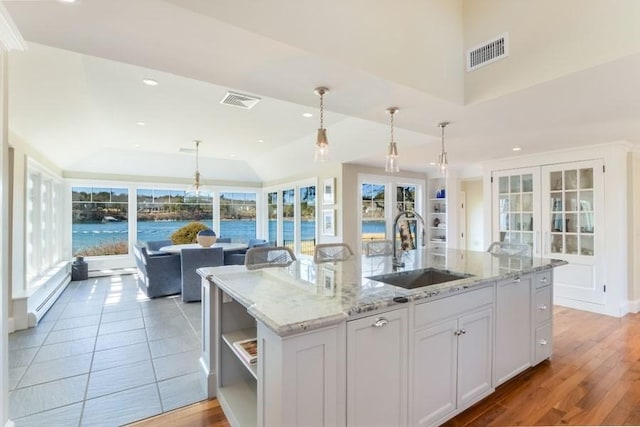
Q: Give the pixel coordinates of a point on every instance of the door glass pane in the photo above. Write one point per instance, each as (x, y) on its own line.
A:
(504, 204)
(570, 179)
(556, 181)
(527, 238)
(527, 222)
(527, 183)
(515, 203)
(586, 178)
(571, 225)
(515, 183)
(586, 200)
(571, 198)
(503, 185)
(516, 222)
(586, 245)
(556, 222)
(586, 223)
(556, 244)
(527, 202)
(572, 244)
(556, 202)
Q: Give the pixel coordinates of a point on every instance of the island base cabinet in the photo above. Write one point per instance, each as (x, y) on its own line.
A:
(451, 366)
(301, 378)
(377, 370)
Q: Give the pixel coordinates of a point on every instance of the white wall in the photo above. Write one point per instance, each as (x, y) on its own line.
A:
(4, 248)
(634, 232)
(576, 35)
(474, 212)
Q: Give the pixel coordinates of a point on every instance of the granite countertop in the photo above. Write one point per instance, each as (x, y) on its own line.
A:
(306, 296)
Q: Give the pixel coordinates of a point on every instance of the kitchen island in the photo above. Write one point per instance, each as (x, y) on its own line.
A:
(338, 347)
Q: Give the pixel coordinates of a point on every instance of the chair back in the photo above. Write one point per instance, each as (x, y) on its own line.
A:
(155, 245)
(331, 252)
(509, 249)
(378, 248)
(191, 260)
(268, 256)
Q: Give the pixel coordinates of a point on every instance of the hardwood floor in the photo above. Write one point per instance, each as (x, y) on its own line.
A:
(593, 378)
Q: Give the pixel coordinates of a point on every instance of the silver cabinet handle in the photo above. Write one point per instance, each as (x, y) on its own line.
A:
(543, 342)
(380, 322)
(462, 331)
(456, 333)
(544, 280)
(542, 307)
(517, 279)
(459, 332)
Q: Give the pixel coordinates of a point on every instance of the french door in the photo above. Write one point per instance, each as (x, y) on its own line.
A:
(558, 210)
(573, 228)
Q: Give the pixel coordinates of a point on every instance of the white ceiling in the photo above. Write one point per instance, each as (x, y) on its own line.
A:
(76, 94)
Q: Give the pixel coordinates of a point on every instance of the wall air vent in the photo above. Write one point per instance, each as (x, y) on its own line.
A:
(488, 52)
(239, 100)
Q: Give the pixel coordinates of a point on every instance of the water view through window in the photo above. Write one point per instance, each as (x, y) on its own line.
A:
(99, 221)
(161, 212)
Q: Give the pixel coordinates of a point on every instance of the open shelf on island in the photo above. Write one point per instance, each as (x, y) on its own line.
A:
(239, 402)
(241, 335)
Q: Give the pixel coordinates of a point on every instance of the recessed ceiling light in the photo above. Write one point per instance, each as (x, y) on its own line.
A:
(150, 82)
(232, 155)
(432, 164)
(307, 115)
(261, 140)
(136, 145)
(67, 1)
(140, 123)
(516, 149)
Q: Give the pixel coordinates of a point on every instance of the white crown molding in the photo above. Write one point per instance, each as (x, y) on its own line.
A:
(10, 37)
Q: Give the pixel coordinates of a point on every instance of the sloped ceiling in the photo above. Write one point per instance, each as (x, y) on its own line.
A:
(76, 94)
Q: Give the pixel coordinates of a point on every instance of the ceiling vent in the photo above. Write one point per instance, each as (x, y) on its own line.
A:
(488, 52)
(239, 100)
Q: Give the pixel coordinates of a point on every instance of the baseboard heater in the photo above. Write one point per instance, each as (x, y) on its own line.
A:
(43, 298)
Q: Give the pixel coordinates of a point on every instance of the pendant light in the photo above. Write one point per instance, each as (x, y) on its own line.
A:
(195, 189)
(443, 163)
(391, 162)
(322, 143)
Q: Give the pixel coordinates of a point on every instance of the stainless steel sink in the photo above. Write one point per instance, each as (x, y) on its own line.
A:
(419, 278)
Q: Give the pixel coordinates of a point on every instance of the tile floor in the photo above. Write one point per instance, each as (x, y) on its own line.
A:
(105, 355)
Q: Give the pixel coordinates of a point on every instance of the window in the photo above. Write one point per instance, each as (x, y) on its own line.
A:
(292, 216)
(238, 216)
(288, 218)
(406, 201)
(373, 212)
(272, 209)
(44, 238)
(160, 212)
(381, 200)
(308, 219)
(99, 221)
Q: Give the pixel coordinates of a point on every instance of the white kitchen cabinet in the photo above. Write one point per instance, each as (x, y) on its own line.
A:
(513, 328)
(451, 355)
(542, 310)
(377, 370)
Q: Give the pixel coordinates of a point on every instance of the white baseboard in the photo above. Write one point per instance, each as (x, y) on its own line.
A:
(587, 306)
(633, 306)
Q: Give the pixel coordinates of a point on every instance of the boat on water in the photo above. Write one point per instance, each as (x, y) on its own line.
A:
(107, 219)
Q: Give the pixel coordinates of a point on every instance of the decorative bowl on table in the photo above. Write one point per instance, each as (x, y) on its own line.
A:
(206, 238)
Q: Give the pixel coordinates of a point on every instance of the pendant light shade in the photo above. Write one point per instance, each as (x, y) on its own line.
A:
(443, 162)
(322, 143)
(391, 161)
(196, 188)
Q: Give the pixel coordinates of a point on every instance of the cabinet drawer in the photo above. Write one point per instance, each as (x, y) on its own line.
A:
(543, 278)
(429, 312)
(544, 343)
(542, 306)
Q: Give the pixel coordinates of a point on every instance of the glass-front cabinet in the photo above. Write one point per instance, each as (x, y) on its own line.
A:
(518, 207)
(571, 211)
(558, 210)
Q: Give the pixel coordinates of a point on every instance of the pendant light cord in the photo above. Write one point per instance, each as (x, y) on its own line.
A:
(321, 110)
